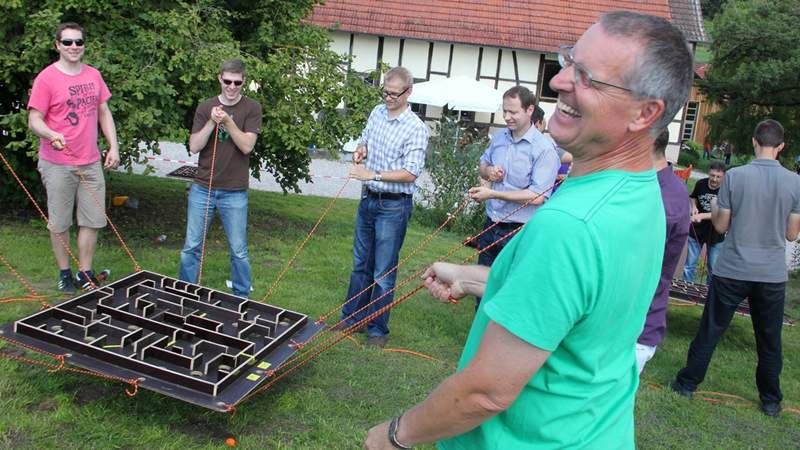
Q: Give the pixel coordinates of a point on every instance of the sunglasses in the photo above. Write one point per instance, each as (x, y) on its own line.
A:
(235, 82)
(69, 42)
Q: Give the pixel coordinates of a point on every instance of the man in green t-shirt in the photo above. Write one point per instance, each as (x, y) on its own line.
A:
(549, 361)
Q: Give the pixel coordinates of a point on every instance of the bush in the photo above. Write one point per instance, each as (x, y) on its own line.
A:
(453, 160)
(688, 155)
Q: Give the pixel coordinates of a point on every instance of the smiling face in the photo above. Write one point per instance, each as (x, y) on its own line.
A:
(73, 53)
(518, 119)
(228, 84)
(591, 120)
(391, 88)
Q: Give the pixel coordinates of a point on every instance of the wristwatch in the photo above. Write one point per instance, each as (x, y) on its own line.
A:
(377, 176)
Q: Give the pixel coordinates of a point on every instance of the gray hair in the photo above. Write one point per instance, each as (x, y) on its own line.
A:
(400, 72)
(663, 70)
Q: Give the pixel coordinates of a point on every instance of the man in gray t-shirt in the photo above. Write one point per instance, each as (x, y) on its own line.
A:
(759, 206)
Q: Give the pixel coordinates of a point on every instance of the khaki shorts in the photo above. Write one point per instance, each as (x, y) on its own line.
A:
(64, 184)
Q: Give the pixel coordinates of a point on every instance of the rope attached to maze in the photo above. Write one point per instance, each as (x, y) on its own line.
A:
(208, 206)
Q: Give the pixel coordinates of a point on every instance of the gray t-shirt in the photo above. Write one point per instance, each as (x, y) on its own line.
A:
(760, 195)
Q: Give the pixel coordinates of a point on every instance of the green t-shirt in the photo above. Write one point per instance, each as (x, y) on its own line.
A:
(576, 281)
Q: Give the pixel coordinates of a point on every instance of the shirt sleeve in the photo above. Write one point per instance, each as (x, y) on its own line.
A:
(724, 195)
(542, 299)
(201, 116)
(414, 154)
(364, 138)
(105, 93)
(696, 190)
(40, 95)
(252, 123)
(544, 172)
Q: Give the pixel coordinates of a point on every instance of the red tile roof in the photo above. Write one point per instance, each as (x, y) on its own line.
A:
(540, 25)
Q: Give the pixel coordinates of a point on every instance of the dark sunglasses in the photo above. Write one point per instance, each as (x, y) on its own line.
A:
(69, 42)
(235, 82)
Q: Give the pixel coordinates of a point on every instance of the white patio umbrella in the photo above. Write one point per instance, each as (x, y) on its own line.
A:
(459, 93)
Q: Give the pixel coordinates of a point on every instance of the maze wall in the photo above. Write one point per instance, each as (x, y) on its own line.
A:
(181, 339)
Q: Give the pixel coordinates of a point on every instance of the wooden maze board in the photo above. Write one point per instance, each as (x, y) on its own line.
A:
(184, 173)
(183, 340)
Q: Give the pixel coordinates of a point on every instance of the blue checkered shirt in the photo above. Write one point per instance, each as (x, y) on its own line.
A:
(394, 144)
(529, 163)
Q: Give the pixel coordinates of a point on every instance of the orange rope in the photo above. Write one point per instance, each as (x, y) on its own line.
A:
(21, 279)
(735, 400)
(208, 205)
(412, 353)
(419, 246)
(62, 365)
(305, 241)
(44, 216)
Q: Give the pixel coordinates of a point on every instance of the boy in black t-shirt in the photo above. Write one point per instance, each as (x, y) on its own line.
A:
(701, 232)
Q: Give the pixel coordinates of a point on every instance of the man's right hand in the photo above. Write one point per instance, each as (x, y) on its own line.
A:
(360, 154)
(57, 141)
(496, 173)
(442, 281)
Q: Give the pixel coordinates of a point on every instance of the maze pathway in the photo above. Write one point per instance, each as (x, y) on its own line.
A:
(183, 340)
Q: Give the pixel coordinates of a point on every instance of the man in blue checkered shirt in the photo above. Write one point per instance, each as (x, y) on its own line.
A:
(389, 158)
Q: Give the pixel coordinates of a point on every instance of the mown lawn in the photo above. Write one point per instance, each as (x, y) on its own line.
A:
(333, 401)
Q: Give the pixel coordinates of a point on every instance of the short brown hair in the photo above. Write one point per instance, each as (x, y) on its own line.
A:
(232, 66)
(67, 26)
(401, 73)
(769, 133)
(525, 96)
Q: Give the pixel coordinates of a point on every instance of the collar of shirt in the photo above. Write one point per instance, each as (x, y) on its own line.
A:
(402, 117)
(530, 136)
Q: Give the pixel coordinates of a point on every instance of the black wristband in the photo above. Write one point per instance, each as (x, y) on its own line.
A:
(393, 426)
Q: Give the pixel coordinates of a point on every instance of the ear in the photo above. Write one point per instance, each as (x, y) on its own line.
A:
(779, 147)
(649, 112)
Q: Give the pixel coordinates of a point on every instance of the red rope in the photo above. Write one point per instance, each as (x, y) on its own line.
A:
(44, 216)
(208, 205)
(305, 241)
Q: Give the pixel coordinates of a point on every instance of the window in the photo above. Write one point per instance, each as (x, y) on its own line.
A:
(689, 120)
(550, 69)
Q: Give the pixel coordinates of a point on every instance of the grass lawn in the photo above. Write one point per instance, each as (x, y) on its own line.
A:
(333, 401)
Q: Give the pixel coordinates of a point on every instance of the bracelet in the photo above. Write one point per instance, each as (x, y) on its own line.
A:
(393, 426)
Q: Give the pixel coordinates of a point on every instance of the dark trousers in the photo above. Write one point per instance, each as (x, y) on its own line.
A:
(497, 234)
(766, 311)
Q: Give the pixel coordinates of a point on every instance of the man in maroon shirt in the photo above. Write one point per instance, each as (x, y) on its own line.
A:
(676, 207)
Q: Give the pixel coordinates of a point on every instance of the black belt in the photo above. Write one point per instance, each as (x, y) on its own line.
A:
(388, 195)
(508, 225)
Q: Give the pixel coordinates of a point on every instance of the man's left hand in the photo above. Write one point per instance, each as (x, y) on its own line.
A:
(112, 159)
(378, 438)
(481, 193)
(360, 172)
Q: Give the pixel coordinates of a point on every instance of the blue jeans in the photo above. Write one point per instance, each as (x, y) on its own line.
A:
(232, 208)
(379, 234)
(693, 252)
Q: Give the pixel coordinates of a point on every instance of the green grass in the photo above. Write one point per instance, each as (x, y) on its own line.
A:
(333, 401)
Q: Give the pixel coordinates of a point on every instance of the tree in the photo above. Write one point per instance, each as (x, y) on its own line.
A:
(160, 59)
(754, 70)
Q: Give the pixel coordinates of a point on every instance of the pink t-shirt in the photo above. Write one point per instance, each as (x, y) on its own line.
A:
(69, 104)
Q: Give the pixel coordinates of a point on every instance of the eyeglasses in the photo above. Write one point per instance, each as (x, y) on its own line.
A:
(393, 95)
(69, 42)
(583, 77)
(235, 82)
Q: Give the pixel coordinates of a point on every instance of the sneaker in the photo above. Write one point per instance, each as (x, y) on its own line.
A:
(680, 390)
(66, 284)
(85, 283)
(771, 409)
(377, 341)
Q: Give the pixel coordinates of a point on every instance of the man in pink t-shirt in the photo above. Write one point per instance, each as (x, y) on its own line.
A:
(68, 101)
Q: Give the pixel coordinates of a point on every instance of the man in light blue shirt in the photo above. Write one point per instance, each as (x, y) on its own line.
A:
(521, 164)
(389, 158)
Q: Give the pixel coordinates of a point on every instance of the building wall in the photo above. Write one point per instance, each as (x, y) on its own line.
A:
(500, 68)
